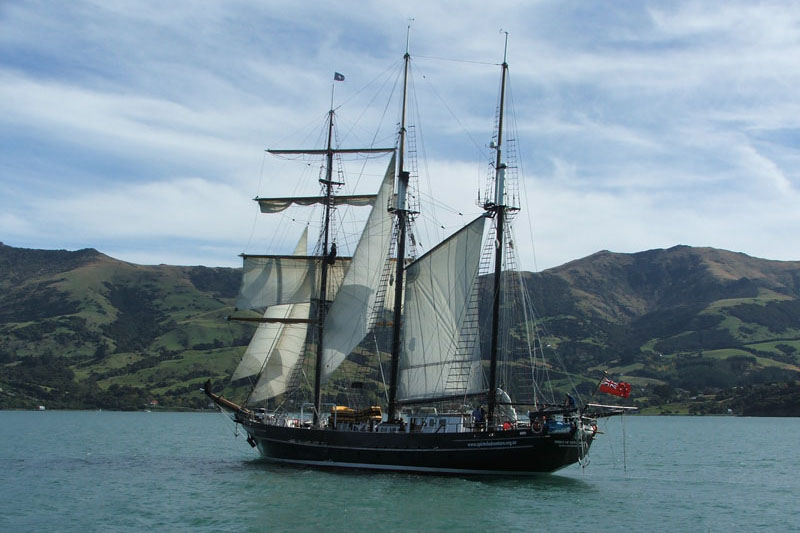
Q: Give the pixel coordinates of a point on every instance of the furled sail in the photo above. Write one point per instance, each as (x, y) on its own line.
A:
(438, 289)
(276, 205)
(267, 334)
(347, 321)
(285, 279)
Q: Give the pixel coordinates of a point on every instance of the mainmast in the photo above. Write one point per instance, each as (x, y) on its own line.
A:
(401, 212)
(498, 210)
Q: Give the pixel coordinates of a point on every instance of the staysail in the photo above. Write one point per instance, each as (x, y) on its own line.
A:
(347, 320)
(438, 289)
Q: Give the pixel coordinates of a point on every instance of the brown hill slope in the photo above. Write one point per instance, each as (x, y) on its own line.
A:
(623, 287)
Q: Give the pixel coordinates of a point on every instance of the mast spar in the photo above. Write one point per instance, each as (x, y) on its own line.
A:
(402, 219)
(329, 202)
(498, 209)
(323, 289)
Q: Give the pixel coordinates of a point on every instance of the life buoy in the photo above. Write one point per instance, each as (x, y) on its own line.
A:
(507, 426)
(536, 426)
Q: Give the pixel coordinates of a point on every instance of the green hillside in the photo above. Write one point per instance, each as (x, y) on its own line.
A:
(695, 328)
(80, 329)
(676, 323)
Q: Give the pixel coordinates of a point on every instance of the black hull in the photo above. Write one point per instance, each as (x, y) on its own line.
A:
(513, 452)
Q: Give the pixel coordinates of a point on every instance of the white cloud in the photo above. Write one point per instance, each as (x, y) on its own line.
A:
(12, 224)
(138, 127)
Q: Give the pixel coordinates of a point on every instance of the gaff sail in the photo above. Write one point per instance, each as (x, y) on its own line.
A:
(439, 286)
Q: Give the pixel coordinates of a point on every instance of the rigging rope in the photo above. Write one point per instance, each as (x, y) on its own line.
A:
(494, 64)
(229, 421)
(624, 445)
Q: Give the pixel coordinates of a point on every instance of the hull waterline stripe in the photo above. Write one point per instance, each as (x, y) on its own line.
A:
(402, 468)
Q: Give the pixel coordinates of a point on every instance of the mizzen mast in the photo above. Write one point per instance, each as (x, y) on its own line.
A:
(497, 209)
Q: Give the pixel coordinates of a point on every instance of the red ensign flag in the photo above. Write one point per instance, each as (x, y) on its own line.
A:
(617, 389)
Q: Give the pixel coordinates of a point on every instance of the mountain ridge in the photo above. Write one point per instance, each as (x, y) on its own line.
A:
(657, 318)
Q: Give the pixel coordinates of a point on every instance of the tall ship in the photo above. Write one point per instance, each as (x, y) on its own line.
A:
(451, 336)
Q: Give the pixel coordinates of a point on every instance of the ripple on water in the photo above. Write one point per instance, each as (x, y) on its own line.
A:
(85, 471)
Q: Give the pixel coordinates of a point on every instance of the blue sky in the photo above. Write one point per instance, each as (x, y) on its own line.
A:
(139, 128)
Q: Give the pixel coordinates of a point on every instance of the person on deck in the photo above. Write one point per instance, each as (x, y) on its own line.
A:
(478, 417)
(569, 402)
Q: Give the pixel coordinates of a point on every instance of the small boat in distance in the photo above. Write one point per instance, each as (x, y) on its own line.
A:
(465, 395)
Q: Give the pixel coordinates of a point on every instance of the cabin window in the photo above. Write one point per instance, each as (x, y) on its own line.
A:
(442, 422)
(432, 422)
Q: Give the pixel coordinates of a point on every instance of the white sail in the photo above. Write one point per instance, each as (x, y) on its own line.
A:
(276, 205)
(263, 341)
(267, 334)
(276, 280)
(347, 321)
(438, 289)
(284, 344)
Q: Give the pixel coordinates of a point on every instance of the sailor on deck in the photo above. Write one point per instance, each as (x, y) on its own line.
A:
(478, 417)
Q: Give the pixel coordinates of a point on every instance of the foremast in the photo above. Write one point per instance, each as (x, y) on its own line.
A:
(326, 260)
(328, 254)
(497, 209)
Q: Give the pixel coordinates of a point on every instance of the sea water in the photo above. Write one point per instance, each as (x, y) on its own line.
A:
(111, 471)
